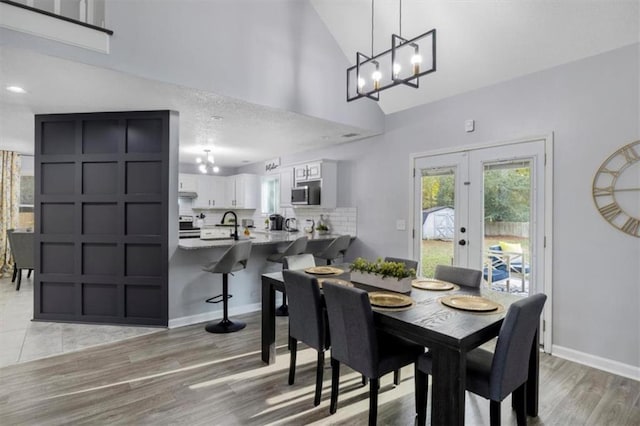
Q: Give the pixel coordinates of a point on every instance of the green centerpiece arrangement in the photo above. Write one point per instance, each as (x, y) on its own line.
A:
(393, 276)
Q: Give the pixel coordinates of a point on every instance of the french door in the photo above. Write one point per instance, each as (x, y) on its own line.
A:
(486, 208)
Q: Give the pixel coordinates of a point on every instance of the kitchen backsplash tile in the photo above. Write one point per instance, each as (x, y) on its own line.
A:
(341, 220)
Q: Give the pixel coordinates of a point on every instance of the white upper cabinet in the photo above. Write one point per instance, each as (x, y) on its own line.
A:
(211, 192)
(309, 171)
(187, 183)
(286, 183)
(242, 191)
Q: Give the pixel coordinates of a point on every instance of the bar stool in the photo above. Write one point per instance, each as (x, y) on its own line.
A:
(337, 247)
(234, 259)
(295, 247)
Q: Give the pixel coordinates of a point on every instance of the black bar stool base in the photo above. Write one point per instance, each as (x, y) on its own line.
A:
(225, 326)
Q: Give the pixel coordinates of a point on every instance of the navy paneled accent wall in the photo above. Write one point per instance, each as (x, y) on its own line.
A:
(101, 216)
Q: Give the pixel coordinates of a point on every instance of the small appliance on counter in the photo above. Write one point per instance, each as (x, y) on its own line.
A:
(308, 225)
(291, 224)
(276, 222)
(247, 223)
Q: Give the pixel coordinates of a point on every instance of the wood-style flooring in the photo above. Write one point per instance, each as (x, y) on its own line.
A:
(188, 376)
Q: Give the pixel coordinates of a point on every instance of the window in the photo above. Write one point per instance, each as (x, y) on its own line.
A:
(270, 191)
(25, 216)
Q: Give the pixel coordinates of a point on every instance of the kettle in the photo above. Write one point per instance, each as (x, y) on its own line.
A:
(276, 222)
(291, 224)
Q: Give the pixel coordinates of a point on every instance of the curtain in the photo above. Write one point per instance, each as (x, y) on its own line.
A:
(9, 203)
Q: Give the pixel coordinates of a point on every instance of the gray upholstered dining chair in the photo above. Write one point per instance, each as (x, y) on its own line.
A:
(461, 276)
(307, 322)
(356, 343)
(408, 263)
(232, 260)
(496, 375)
(299, 261)
(21, 244)
(298, 246)
(337, 247)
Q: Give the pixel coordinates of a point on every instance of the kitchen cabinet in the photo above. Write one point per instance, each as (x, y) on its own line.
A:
(211, 192)
(187, 183)
(323, 171)
(286, 183)
(309, 171)
(242, 191)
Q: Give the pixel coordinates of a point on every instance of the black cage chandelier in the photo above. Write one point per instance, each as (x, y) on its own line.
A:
(404, 63)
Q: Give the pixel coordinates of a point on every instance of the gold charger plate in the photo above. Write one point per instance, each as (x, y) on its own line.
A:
(432, 284)
(470, 303)
(383, 299)
(324, 270)
(334, 281)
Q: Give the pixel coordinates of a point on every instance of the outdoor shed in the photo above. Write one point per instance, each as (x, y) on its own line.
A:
(438, 223)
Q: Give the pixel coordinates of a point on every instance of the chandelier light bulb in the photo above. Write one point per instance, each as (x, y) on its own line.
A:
(376, 76)
(396, 70)
(416, 60)
(216, 169)
(210, 158)
(198, 160)
(361, 83)
(202, 168)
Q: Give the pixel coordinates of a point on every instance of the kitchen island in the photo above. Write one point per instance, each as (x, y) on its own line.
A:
(190, 286)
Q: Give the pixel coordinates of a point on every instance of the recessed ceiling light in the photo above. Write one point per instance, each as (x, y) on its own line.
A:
(326, 137)
(16, 89)
(216, 117)
(350, 135)
(246, 161)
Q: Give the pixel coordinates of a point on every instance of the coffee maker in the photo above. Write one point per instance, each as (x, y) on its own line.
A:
(276, 222)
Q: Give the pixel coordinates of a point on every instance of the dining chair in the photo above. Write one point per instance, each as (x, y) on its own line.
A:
(307, 322)
(232, 260)
(21, 244)
(495, 376)
(461, 276)
(356, 343)
(337, 247)
(298, 246)
(299, 261)
(408, 263)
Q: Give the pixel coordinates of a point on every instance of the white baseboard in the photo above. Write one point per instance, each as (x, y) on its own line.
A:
(600, 363)
(213, 315)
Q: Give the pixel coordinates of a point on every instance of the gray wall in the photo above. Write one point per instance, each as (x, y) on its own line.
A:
(273, 53)
(591, 106)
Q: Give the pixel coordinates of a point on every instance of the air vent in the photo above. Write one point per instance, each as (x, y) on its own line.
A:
(350, 135)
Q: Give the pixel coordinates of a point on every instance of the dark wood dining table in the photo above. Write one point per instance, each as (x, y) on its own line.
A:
(448, 334)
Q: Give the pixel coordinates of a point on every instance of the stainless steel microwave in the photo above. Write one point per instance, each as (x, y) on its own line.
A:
(306, 195)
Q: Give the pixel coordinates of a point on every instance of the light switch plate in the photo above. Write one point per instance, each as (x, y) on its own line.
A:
(469, 125)
(401, 225)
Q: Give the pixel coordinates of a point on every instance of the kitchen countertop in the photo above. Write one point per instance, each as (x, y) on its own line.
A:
(257, 237)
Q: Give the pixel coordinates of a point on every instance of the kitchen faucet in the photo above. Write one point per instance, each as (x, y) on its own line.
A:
(235, 223)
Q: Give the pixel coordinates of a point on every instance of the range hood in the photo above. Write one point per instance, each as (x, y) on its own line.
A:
(187, 194)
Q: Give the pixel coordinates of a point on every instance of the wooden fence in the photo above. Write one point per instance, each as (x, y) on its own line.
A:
(516, 229)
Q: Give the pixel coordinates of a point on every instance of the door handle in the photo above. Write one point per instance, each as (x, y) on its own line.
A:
(462, 242)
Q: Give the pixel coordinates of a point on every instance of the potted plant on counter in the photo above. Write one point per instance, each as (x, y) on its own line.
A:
(393, 276)
(322, 229)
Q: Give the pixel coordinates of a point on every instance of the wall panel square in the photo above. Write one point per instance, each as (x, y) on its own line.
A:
(100, 178)
(57, 298)
(144, 135)
(100, 299)
(57, 258)
(101, 136)
(100, 218)
(144, 177)
(143, 260)
(100, 259)
(143, 301)
(143, 218)
(57, 218)
(58, 137)
(57, 178)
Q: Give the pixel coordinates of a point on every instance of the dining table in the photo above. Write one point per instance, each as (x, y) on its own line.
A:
(448, 333)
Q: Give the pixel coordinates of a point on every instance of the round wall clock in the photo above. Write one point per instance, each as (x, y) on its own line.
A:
(616, 189)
